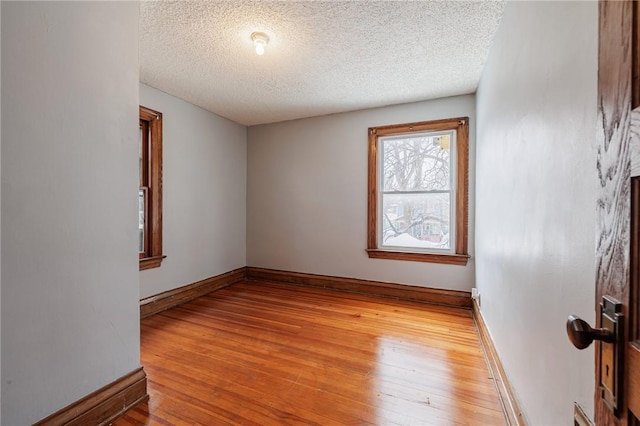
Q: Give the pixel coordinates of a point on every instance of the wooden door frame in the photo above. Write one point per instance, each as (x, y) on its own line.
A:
(618, 94)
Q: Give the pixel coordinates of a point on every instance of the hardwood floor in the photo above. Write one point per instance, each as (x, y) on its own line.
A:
(259, 353)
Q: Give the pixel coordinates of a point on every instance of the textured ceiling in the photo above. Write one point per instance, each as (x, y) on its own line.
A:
(323, 56)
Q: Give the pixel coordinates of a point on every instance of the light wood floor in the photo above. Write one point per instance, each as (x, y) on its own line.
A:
(267, 354)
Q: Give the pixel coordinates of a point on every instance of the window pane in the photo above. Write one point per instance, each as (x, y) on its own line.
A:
(418, 162)
(141, 212)
(416, 220)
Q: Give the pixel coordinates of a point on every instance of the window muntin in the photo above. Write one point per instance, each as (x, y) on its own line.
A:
(414, 213)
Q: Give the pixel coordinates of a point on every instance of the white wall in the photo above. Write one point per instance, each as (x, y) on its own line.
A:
(204, 194)
(536, 182)
(70, 315)
(307, 196)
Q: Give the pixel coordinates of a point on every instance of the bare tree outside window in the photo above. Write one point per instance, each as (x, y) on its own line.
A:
(416, 190)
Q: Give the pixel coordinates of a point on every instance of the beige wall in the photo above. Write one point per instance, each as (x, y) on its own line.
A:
(307, 196)
(204, 194)
(535, 216)
(70, 288)
(70, 315)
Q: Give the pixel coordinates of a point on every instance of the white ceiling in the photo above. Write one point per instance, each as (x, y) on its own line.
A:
(323, 57)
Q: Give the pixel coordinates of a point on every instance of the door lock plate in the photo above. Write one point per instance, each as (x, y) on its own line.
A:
(611, 356)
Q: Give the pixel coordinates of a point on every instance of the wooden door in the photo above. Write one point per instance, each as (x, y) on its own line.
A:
(618, 204)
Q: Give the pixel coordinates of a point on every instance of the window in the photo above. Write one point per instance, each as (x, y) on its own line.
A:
(418, 196)
(150, 192)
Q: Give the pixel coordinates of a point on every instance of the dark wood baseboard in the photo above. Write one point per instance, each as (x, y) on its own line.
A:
(104, 405)
(510, 405)
(168, 299)
(458, 299)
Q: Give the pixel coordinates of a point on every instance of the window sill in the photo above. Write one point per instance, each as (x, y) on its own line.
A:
(450, 259)
(151, 262)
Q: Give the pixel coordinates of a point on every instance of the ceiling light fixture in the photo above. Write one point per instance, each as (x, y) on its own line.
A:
(260, 41)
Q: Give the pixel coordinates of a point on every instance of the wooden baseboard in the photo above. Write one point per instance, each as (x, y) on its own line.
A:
(510, 405)
(168, 299)
(104, 405)
(458, 299)
(580, 418)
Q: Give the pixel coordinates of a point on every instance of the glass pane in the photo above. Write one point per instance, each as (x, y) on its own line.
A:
(416, 220)
(418, 162)
(141, 204)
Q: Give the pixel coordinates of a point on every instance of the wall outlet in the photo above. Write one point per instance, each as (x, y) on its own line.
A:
(474, 293)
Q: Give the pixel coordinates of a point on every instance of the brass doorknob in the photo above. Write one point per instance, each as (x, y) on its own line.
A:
(581, 334)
